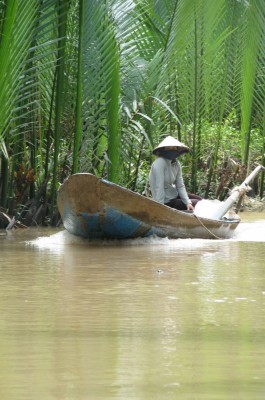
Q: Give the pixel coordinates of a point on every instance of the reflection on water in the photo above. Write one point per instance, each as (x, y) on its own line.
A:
(141, 319)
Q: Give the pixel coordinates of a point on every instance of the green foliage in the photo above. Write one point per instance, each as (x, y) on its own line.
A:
(93, 86)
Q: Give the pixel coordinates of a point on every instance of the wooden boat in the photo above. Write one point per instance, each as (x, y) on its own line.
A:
(94, 208)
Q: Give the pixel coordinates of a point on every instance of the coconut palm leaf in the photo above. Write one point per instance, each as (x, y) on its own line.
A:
(99, 70)
(116, 57)
(253, 39)
(15, 41)
(27, 77)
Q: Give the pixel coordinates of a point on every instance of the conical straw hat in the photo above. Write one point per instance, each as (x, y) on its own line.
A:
(169, 141)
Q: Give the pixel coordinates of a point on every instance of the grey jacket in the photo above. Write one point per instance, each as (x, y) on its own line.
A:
(166, 181)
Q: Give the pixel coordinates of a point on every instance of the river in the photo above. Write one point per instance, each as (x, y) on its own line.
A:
(143, 319)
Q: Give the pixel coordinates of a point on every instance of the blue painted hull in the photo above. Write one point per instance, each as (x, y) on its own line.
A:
(109, 223)
(97, 209)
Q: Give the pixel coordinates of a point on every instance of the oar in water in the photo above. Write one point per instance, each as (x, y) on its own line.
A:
(236, 195)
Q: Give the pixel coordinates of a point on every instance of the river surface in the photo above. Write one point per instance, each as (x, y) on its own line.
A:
(143, 319)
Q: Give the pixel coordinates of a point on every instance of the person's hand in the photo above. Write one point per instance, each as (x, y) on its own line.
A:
(190, 207)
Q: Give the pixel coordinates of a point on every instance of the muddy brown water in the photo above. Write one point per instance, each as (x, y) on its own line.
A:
(140, 319)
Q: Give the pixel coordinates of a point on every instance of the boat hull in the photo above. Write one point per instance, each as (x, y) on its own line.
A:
(97, 209)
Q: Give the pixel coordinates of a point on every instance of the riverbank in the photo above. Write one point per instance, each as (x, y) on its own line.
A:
(249, 204)
(253, 204)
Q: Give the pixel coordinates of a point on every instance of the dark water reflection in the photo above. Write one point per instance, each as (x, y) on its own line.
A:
(146, 319)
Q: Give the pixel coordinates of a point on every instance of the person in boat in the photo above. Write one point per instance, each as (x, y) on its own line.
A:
(165, 177)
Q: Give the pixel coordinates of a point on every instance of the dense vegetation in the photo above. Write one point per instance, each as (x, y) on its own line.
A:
(92, 86)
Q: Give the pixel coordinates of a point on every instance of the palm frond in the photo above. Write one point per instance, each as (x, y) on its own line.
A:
(15, 41)
(253, 36)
